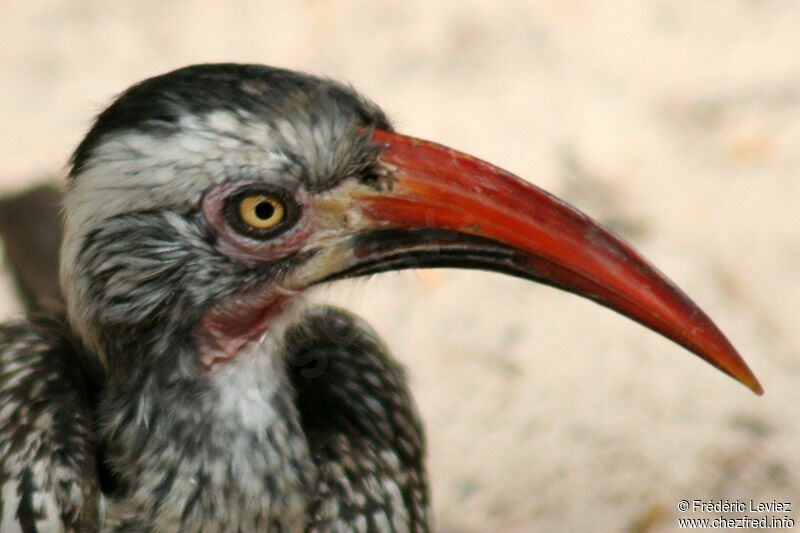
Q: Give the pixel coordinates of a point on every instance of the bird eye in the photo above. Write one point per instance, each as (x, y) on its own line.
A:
(261, 211)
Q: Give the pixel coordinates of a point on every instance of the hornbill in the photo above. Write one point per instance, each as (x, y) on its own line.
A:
(188, 386)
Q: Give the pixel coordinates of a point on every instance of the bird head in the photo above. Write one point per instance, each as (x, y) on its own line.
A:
(203, 201)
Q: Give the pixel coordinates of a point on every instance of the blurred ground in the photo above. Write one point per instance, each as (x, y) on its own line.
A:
(677, 123)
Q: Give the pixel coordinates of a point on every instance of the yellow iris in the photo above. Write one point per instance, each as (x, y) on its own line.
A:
(261, 211)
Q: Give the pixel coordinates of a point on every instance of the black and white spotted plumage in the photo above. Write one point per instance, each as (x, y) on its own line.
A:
(365, 437)
(49, 474)
(109, 423)
(360, 430)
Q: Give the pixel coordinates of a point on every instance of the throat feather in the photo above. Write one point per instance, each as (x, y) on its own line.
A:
(235, 434)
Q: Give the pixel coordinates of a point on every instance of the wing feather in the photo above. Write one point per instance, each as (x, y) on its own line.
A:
(365, 436)
(48, 471)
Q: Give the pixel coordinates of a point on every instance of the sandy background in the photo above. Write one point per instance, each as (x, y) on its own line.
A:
(677, 123)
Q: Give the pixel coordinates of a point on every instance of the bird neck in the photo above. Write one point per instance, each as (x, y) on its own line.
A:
(201, 449)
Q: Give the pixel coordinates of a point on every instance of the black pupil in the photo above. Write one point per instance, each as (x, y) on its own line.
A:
(264, 210)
